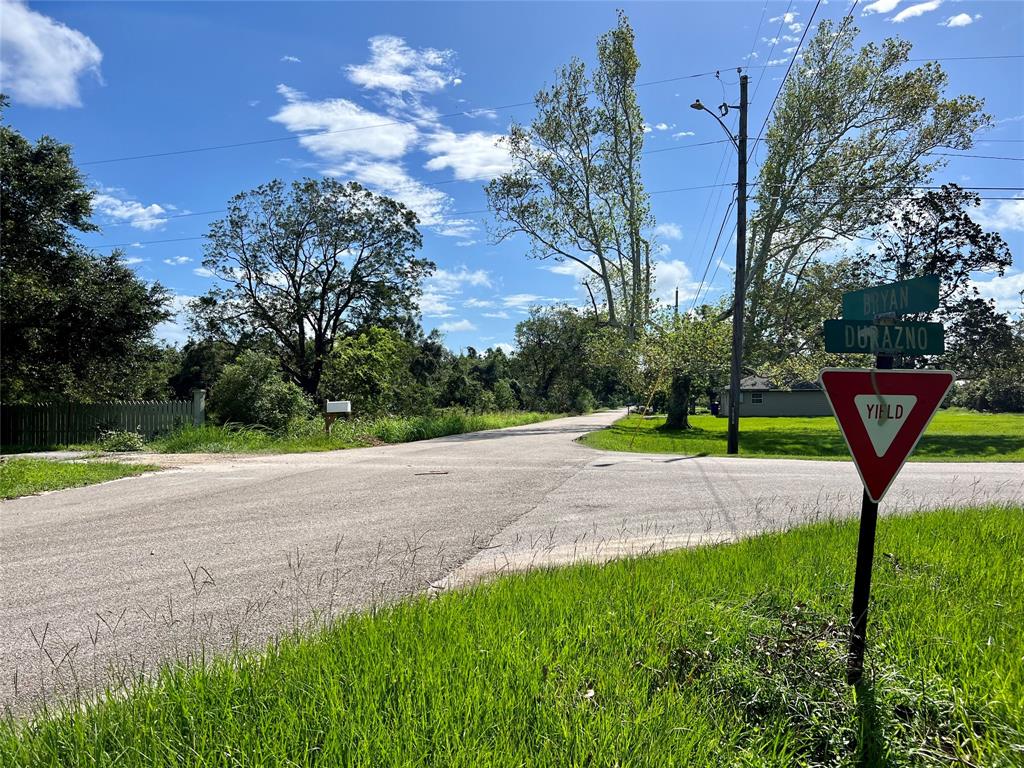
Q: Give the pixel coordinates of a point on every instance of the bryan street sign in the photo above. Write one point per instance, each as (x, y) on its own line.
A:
(899, 338)
(882, 414)
(906, 297)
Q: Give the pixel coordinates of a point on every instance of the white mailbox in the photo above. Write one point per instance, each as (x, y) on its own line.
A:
(339, 406)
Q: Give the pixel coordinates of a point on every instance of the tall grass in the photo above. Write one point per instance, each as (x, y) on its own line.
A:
(720, 656)
(309, 434)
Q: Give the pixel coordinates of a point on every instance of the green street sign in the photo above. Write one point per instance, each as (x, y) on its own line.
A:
(903, 298)
(902, 338)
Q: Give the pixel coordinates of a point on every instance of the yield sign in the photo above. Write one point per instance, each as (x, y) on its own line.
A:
(882, 415)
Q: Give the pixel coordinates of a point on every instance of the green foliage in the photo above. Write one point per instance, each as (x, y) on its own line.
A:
(307, 264)
(252, 391)
(854, 130)
(504, 396)
(303, 435)
(120, 441)
(713, 656)
(576, 189)
(953, 435)
(999, 390)
(23, 477)
(74, 325)
(583, 401)
(372, 369)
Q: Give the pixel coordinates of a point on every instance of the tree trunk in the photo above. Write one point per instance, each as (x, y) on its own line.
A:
(679, 402)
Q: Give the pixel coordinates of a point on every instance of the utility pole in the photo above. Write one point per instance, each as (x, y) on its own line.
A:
(677, 302)
(739, 295)
(739, 301)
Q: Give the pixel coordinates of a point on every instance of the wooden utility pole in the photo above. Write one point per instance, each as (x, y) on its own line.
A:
(739, 299)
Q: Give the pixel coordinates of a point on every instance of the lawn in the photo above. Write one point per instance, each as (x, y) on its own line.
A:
(719, 656)
(953, 435)
(22, 477)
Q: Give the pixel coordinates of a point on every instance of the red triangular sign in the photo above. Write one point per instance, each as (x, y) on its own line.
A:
(882, 415)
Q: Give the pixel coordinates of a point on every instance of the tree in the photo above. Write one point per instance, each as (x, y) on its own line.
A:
(310, 263)
(252, 391)
(576, 190)
(74, 325)
(550, 363)
(933, 234)
(853, 131)
(372, 369)
(694, 356)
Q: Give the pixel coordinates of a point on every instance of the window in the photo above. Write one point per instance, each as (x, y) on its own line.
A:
(756, 398)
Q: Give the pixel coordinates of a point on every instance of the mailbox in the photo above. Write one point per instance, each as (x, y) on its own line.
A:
(338, 406)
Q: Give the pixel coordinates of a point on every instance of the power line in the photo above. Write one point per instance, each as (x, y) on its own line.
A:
(714, 248)
(467, 112)
(796, 52)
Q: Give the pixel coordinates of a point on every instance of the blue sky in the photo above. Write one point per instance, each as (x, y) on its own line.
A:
(117, 80)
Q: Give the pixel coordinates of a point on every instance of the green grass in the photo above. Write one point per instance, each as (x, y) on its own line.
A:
(720, 656)
(953, 435)
(309, 435)
(22, 477)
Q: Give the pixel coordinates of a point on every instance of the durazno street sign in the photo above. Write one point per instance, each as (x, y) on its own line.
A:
(912, 338)
(882, 414)
(906, 297)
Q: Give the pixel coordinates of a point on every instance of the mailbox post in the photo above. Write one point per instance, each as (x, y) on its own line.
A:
(333, 409)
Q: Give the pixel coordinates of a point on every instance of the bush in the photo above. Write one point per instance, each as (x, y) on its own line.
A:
(504, 397)
(121, 441)
(584, 401)
(1000, 391)
(252, 391)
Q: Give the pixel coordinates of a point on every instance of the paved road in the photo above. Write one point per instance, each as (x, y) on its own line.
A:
(110, 579)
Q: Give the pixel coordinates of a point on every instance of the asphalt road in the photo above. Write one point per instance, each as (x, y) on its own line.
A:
(100, 583)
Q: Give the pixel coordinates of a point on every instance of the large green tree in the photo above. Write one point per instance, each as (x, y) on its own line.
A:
(309, 263)
(74, 325)
(933, 234)
(854, 130)
(576, 190)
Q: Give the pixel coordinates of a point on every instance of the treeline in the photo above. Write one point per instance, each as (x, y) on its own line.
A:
(317, 282)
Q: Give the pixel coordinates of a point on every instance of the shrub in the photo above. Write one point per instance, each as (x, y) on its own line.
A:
(504, 397)
(252, 391)
(121, 441)
(999, 390)
(583, 401)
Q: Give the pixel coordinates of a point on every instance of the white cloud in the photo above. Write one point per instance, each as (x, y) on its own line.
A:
(456, 81)
(918, 9)
(457, 326)
(478, 303)
(41, 59)
(173, 329)
(471, 156)
(646, 127)
(683, 134)
(880, 6)
(342, 127)
(670, 275)
(669, 231)
(523, 300)
(291, 59)
(176, 260)
(1004, 290)
(132, 260)
(663, 126)
(448, 281)
(960, 20)
(776, 62)
(131, 212)
(434, 304)
(397, 68)
(1002, 215)
(202, 272)
(498, 315)
(795, 27)
(786, 18)
(505, 347)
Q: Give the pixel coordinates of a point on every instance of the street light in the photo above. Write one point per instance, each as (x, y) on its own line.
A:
(739, 143)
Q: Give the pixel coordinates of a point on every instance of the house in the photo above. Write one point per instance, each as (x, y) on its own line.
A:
(758, 398)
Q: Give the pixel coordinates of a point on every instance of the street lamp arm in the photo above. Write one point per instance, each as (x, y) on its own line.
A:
(700, 107)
